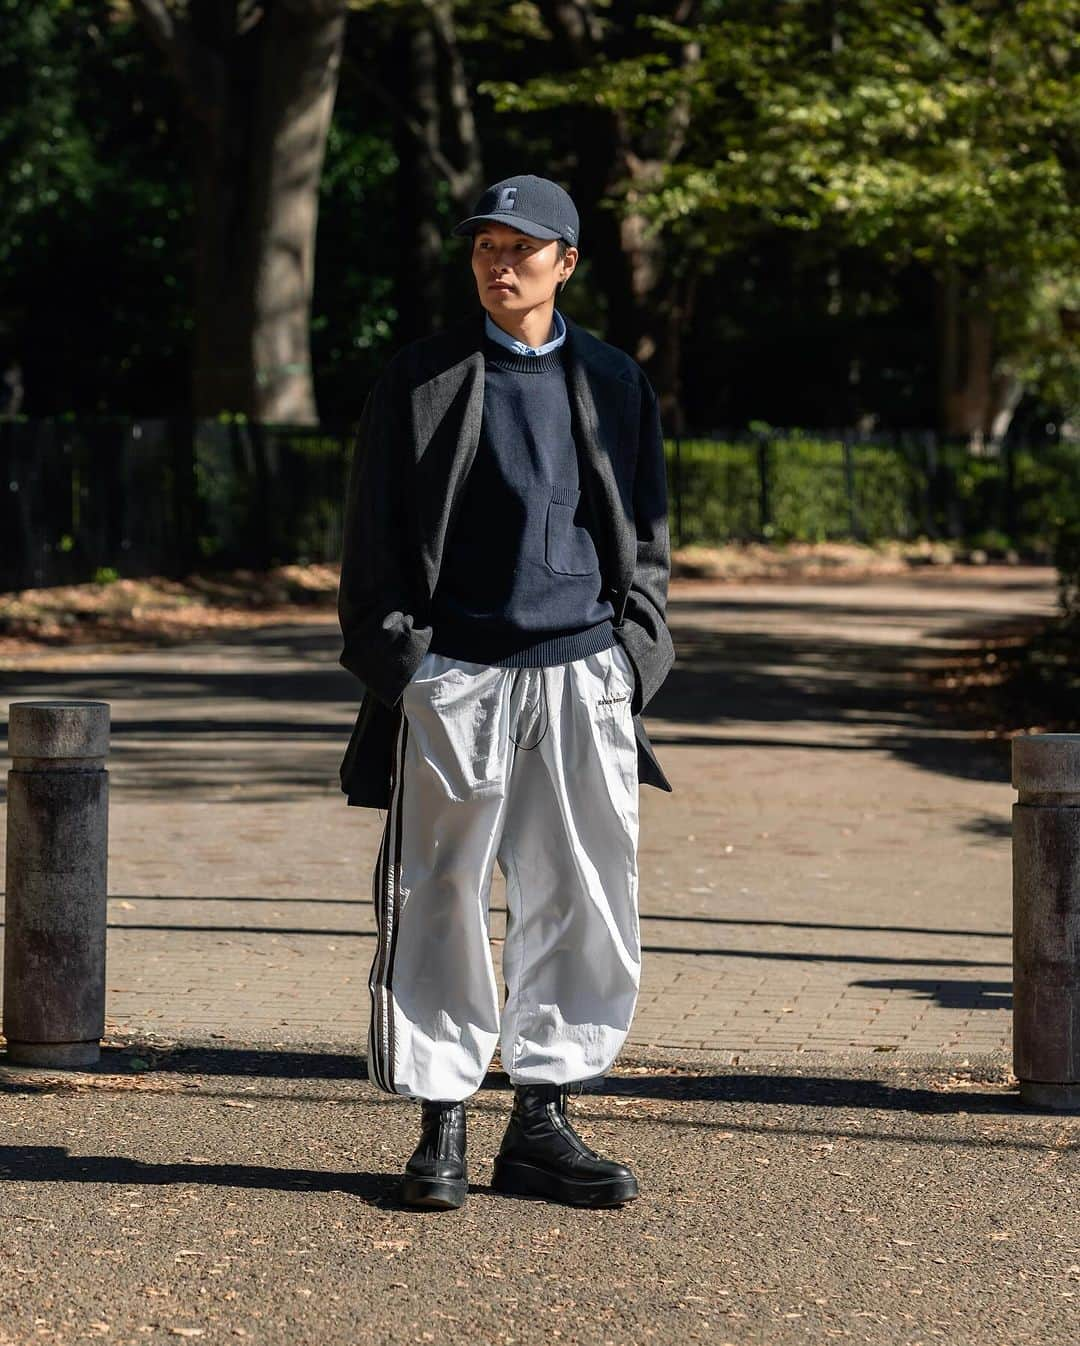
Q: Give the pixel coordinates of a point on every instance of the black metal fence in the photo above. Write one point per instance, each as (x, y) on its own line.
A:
(85, 499)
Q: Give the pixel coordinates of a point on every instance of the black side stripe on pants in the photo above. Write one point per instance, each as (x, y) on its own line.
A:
(375, 1032)
(395, 889)
(387, 884)
(377, 1038)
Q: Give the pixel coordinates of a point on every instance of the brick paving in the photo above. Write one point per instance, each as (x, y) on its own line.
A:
(831, 875)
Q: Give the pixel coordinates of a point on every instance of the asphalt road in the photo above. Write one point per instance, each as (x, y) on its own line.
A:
(235, 1194)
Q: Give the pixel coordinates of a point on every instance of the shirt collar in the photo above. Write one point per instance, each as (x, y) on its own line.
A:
(496, 333)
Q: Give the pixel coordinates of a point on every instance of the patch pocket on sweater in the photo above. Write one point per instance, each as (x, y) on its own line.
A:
(568, 548)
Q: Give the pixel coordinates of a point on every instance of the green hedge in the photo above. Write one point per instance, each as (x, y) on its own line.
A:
(791, 487)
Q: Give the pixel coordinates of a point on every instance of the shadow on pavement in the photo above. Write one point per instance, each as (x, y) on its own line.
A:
(690, 919)
(783, 1086)
(859, 668)
(809, 1091)
(989, 826)
(766, 955)
(969, 995)
(50, 1163)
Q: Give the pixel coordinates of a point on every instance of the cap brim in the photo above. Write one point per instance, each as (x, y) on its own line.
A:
(474, 222)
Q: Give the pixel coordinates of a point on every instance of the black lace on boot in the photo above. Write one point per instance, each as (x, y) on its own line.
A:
(436, 1175)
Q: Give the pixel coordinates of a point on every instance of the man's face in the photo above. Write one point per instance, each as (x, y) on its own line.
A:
(516, 272)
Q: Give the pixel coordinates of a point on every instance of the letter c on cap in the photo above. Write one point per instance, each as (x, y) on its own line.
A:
(507, 198)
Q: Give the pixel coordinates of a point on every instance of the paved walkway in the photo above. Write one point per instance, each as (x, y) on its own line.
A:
(831, 875)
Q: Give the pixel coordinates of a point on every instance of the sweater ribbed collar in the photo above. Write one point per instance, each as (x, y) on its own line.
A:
(501, 358)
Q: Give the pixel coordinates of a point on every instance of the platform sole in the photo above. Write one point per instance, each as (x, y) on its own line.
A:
(434, 1193)
(514, 1178)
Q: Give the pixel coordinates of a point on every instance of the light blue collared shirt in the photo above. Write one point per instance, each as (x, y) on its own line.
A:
(496, 333)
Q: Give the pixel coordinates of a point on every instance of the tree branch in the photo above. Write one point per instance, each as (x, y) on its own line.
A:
(159, 21)
(465, 183)
(316, 9)
(199, 71)
(575, 23)
(397, 109)
(172, 36)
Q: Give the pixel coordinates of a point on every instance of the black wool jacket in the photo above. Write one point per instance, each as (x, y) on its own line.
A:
(416, 441)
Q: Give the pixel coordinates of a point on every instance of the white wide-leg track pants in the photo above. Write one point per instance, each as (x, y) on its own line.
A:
(535, 768)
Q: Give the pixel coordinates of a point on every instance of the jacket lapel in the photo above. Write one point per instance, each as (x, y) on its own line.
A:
(447, 407)
(599, 401)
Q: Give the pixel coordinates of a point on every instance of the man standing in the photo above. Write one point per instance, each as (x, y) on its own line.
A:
(503, 594)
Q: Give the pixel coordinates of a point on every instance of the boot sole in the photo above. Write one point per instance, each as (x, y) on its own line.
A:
(514, 1178)
(434, 1193)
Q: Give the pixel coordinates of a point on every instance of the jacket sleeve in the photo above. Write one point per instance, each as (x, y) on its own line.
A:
(382, 645)
(643, 630)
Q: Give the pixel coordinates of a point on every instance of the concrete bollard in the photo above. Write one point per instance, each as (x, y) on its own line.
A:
(1046, 918)
(57, 845)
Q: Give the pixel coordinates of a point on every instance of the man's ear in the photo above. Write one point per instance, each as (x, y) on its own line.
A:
(562, 283)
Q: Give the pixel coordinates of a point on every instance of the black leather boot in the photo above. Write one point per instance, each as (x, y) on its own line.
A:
(542, 1155)
(437, 1175)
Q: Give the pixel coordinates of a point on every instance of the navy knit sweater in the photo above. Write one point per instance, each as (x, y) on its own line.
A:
(519, 585)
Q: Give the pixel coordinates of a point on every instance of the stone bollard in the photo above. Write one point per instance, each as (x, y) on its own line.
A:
(57, 837)
(1046, 918)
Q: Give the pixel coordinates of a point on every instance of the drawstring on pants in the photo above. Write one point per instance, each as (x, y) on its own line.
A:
(528, 747)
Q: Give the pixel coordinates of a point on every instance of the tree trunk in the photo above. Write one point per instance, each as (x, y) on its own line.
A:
(298, 82)
(418, 282)
(677, 311)
(438, 151)
(259, 88)
(644, 257)
(976, 397)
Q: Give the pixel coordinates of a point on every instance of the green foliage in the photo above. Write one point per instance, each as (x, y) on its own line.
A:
(910, 136)
(718, 483)
(807, 494)
(929, 131)
(93, 201)
(941, 134)
(48, 156)
(806, 490)
(353, 308)
(795, 487)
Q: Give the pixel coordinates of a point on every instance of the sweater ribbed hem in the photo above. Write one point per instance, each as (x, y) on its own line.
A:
(563, 649)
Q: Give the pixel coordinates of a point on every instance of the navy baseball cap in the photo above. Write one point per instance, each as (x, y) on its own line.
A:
(535, 206)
